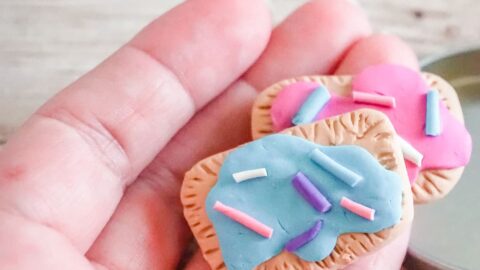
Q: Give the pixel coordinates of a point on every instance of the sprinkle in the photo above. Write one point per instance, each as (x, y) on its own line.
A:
(312, 106)
(310, 193)
(249, 174)
(304, 238)
(386, 101)
(374, 99)
(244, 219)
(358, 209)
(433, 125)
(410, 153)
(349, 177)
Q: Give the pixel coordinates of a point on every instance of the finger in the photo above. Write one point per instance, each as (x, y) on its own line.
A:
(198, 263)
(224, 124)
(377, 49)
(67, 166)
(149, 225)
(390, 256)
(311, 40)
(49, 250)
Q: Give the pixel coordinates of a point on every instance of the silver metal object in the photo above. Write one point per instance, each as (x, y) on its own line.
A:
(446, 234)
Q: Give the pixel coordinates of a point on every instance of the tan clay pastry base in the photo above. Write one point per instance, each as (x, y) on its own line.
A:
(430, 184)
(366, 128)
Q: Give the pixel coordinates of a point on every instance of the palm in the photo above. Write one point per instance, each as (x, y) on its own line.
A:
(74, 191)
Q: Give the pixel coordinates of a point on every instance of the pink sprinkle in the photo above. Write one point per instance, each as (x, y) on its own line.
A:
(386, 101)
(244, 219)
(358, 209)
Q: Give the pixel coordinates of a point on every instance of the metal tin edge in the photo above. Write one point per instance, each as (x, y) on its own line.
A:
(426, 61)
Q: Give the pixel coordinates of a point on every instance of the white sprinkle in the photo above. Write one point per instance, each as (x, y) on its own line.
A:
(249, 174)
(410, 153)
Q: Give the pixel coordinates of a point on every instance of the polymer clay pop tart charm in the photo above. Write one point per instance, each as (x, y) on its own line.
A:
(322, 201)
(423, 108)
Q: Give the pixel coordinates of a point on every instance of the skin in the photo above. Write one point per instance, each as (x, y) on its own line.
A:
(92, 179)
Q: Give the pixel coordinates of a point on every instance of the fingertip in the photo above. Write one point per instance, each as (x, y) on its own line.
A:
(378, 49)
(312, 39)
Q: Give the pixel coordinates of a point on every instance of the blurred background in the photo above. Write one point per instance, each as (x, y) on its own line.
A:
(46, 44)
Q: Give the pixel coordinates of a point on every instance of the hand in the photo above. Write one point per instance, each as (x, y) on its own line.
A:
(91, 180)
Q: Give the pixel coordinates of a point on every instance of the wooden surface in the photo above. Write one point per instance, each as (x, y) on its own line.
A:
(46, 44)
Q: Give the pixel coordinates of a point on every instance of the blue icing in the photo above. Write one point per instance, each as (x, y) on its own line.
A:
(273, 200)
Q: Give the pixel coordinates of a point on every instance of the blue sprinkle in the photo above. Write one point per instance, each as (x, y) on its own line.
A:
(433, 125)
(349, 177)
(312, 106)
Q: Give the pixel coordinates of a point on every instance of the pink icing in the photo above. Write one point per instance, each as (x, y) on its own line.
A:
(450, 149)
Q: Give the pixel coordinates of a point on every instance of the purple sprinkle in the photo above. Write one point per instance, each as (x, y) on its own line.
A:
(304, 238)
(310, 193)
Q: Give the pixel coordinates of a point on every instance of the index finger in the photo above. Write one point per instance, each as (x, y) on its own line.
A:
(67, 167)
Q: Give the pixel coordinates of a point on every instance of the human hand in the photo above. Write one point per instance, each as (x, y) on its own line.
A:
(91, 180)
